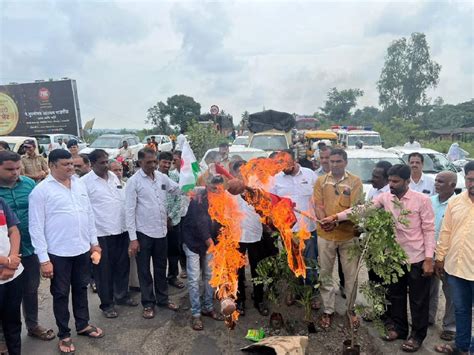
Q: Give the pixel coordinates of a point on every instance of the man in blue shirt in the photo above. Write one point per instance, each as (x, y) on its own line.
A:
(445, 184)
(15, 189)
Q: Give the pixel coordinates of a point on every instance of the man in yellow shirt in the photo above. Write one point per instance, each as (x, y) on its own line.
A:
(335, 192)
(455, 257)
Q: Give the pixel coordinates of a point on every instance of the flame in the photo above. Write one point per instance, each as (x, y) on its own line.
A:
(226, 258)
(259, 173)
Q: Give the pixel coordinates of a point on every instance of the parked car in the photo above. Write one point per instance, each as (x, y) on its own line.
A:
(434, 163)
(112, 143)
(361, 162)
(164, 142)
(241, 140)
(45, 140)
(15, 143)
(243, 152)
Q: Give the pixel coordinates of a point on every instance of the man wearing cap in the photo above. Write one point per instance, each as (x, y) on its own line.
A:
(33, 165)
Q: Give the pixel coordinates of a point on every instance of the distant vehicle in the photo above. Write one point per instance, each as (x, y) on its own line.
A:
(271, 141)
(237, 150)
(164, 142)
(112, 143)
(45, 140)
(15, 143)
(348, 136)
(361, 162)
(241, 140)
(434, 163)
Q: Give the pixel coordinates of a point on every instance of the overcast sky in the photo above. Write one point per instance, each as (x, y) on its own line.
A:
(285, 55)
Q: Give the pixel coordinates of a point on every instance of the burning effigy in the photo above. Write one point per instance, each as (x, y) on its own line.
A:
(274, 210)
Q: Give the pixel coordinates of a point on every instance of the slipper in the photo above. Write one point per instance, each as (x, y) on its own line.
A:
(110, 313)
(176, 283)
(67, 344)
(444, 349)
(41, 333)
(214, 315)
(411, 346)
(326, 321)
(148, 312)
(447, 335)
(170, 305)
(92, 329)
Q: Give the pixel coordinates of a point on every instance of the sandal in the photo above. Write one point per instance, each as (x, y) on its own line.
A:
(88, 332)
(214, 315)
(41, 333)
(444, 349)
(355, 321)
(411, 345)
(196, 324)
(183, 275)
(392, 334)
(170, 305)
(176, 283)
(447, 335)
(326, 321)
(68, 345)
(148, 312)
(110, 313)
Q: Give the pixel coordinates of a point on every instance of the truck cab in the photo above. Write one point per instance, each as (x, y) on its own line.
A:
(271, 140)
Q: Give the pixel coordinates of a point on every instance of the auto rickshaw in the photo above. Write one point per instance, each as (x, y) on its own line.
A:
(313, 137)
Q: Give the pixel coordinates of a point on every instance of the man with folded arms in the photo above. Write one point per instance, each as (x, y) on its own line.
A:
(64, 236)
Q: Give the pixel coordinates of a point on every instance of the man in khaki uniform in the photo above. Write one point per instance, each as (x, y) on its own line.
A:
(33, 165)
(335, 192)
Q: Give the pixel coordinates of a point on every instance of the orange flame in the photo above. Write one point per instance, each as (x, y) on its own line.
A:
(226, 258)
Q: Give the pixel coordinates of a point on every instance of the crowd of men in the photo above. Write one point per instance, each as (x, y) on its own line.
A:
(75, 219)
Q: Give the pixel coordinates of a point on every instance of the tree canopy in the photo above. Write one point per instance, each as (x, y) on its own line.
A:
(339, 104)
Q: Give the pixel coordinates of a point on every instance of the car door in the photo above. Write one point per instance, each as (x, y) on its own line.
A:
(166, 145)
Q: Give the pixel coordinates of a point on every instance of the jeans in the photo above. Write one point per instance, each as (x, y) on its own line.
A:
(71, 273)
(310, 254)
(449, 320)
(194, 264)
(419, 294)
(31, 281)
(462, 292)
(154, 289)
(10, 311)
(112, 273)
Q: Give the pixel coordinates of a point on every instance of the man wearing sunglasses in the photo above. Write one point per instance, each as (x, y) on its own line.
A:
(335, 192)
(33, 165)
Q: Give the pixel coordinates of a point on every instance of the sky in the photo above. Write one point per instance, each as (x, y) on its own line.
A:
(240, 55)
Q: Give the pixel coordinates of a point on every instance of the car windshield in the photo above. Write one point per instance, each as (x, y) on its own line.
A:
(367, 140)
(241, 141)
(362, 167)
(270, 142)
(43, 139)
(434, 163)
(107, 142)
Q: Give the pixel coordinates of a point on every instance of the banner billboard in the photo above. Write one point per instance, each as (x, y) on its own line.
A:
(44, 107)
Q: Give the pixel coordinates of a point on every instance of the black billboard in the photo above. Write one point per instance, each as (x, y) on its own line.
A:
(42, 107)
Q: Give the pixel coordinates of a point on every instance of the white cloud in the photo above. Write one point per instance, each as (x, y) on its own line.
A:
(286, 55)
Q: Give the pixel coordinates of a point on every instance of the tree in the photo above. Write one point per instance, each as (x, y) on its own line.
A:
(339, 103)
(244, 121)
(407, 73)
(368, 115)
(202, 137)
(179, 109)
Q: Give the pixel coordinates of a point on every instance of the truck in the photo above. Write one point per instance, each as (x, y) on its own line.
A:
(348, 136)
(271, 130)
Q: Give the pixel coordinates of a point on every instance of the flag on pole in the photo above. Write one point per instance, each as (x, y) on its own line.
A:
(189, 168)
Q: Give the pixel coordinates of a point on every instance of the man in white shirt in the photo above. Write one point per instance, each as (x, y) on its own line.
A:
(297, 183)
(413, 144)
(108, 203)
(180, 140)
(63, 233)
(59, 145)
(146, 216)
(125, 151)
(420, 182)
(379, 180)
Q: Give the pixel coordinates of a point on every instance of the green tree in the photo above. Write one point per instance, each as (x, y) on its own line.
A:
(366, 115)
(202, 137)
(407, 73)
(397, 131)
(179, 109)
(244, 120)
(339, 104)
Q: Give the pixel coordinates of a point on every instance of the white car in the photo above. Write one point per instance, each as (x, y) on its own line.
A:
(241, 140)
(45, 140)
(112, 143)
(164, 142)
(16, 142)
(236, 151)
(434, 163)
(361, 162)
